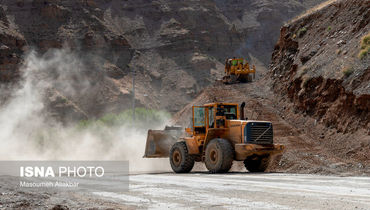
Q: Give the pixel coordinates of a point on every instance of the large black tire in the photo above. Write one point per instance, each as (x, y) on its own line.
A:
(219, 156)
(257, 163)
(181, 161)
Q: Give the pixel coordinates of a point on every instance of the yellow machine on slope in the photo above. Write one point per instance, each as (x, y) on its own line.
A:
(219, 136)
(238, 70)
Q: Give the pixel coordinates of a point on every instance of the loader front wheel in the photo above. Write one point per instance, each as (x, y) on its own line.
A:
(181, 161)
(257, 163)
(219, 156)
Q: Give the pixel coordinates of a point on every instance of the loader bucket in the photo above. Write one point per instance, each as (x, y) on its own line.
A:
(159, 142)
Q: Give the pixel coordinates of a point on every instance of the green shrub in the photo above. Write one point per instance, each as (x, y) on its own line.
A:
(301, 31)
(329, 28)
(365, 46)
(64, 100)
(363, 53)
(365, 41)
(347, 71)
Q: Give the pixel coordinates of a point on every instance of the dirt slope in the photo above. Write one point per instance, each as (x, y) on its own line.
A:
(317, 72)
(317, 66)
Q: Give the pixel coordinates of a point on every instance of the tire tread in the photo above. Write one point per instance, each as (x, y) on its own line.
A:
(227, 156)
(188, 162)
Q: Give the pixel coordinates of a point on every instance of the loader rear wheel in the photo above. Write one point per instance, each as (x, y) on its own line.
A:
(219, 156)
(257, 163)
(181, 161)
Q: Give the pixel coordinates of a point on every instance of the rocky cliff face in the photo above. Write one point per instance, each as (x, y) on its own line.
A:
(317, 65)
(11, 49)
(175, 48)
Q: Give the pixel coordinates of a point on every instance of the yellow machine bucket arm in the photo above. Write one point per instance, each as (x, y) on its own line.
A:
(159, 142)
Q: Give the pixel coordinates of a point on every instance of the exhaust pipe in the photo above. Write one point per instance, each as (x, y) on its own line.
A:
(242, 111)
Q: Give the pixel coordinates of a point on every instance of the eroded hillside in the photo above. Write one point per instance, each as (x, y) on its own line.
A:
(317, 65)
(176, 48)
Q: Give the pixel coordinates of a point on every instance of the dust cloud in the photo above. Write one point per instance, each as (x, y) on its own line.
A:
(28, 132)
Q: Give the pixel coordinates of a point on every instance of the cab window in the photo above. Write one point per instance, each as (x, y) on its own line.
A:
(210, 117)
(230, 112)
(199, 116)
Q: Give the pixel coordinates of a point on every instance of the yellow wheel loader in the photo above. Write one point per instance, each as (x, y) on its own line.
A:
(238, 70)
(219, 136)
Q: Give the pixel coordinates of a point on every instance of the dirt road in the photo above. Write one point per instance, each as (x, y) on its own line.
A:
(200, 190)
(244, 190)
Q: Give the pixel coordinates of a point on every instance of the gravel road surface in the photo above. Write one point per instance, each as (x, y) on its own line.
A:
(245, 190)
(201, 190)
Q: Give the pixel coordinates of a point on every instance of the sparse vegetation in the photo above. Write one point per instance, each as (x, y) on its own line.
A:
(302, 31)
(329, 28)
(364, 53)
(347, 71)
(63, 100)
(365, 46)
(144, 118)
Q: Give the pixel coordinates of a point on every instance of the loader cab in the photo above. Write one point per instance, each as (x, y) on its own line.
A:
(213, 115)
